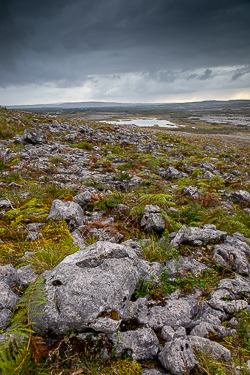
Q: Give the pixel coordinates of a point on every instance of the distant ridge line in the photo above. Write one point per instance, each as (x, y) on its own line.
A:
(94, 104)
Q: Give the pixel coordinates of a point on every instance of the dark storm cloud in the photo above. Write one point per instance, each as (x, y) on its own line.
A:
(64, 41)
(206, 75)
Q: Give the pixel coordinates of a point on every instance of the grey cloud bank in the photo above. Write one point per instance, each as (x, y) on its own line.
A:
(125, 51)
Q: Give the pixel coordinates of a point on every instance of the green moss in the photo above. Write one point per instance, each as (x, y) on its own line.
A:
(122, 367)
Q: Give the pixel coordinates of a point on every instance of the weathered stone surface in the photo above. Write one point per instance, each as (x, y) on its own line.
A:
(172, 173)
(86, 285)
(205, 328)
(237, 286)
(106, 234)
(71, 212)
(208, 166)
(176, 313)
(241, 197)
(8, 274)
(8, 299)
(5, 315)
(206, 234)
(33, 136)
(211, 348)
(191, 191)
(153, 371)
(149, 270)
(152, 220)
(26, 276)
(136, 310)
(134, 245)
(83, 199)
(177, 357)
(167, 333)
(143, 342)
(178, 267)
(231, 257)
(208, 175)
(238, 242)
(105, 325)
(225, 300)
(5, 203)
(78, 239)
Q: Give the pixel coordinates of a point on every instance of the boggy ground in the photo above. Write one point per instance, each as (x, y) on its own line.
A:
(155, 226)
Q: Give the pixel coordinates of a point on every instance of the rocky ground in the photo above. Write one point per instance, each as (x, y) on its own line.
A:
(141, 241)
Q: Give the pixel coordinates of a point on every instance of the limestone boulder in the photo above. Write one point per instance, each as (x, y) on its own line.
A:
(88, 286)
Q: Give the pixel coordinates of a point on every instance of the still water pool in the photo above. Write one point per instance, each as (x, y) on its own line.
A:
(143, 122)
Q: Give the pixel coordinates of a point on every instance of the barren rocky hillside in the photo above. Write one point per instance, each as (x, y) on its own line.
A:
(122, 250)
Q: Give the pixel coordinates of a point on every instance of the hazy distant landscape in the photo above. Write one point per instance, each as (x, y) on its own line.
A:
(213, 117)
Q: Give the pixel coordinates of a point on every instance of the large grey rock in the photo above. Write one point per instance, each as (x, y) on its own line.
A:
(182, 265)
(143, 342)
(177, 357)
(211, 348)
(241, 197)
(87, 286)
(83, 199)
(207, 234)
(33, 136)
(152, 219)
(8, 299)
(71, 212)
(232, 258)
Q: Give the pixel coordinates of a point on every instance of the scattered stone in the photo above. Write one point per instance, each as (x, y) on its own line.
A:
(177, 357)
(143, 343)
(83, 199)
(231, 257)
(178, 267)
(4, 203)
(241, 197)
(71, 212)
(211, 348)
(172, 173)
(152, 219)
(206, 234)
(33, 136)
(192, 191)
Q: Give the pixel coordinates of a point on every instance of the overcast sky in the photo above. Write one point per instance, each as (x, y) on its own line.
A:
(124, 50)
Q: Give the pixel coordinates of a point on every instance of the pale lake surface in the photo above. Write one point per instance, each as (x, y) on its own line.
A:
(143, 122)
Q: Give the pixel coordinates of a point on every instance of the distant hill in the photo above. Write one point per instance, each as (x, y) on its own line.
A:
(191, 105)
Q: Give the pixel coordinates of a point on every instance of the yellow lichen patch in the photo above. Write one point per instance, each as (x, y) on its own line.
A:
(54, 244)
(122, 367)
